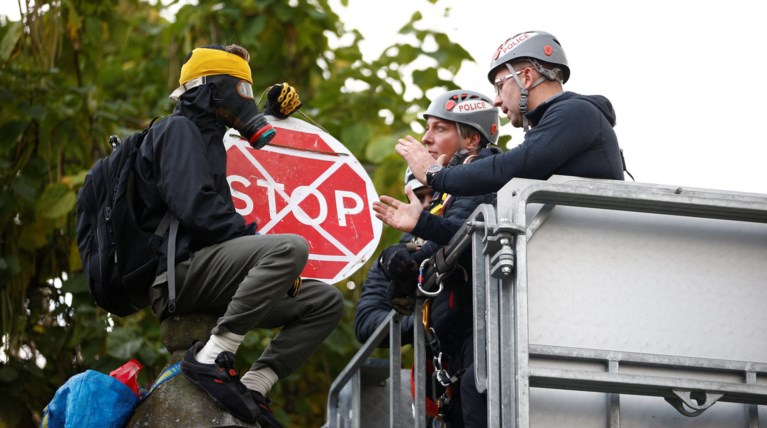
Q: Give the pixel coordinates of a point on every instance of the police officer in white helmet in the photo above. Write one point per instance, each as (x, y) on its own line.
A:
(464, 123)
(565, 133)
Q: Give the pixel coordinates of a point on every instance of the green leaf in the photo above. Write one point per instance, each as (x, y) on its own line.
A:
(75, 284)
(428, 78)
(405, 53)
(56, 201)
(10, 132)
(34, 111)
(9, 266)
(503, 140)
(254, 27)
(355, 137)
(123, 343)
(8, 209)
(336, 342)
(10, 40)
(75, 262)
(33, 236)
(380, 147)
(25, 189)
(75, 181)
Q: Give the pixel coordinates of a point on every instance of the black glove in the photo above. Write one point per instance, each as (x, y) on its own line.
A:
(402, 296)
(281, 101)
(397, 263)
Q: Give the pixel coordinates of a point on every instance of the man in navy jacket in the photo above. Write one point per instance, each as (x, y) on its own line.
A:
(566, 133)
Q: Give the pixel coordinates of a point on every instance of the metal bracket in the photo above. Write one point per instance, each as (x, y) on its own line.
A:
(499, 244)
(692, 403)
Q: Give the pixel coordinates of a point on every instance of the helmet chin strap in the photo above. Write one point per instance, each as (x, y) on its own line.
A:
(523, 95)
(523, 92)
(464, 151)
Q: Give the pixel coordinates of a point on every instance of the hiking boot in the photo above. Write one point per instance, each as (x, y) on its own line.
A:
(265, 417)
(220, 381)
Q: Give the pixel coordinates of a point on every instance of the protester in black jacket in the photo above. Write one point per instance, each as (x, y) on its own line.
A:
(467, 119)
(222, 265)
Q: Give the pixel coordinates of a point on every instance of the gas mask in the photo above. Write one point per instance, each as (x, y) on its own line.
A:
(230, 80)
(236, 108)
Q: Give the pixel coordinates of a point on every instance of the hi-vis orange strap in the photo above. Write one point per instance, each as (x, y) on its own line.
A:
(439, 208)
(425, 319)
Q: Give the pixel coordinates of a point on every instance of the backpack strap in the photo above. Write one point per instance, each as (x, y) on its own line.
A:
(164, 224)
(169, 221)
(172, 263)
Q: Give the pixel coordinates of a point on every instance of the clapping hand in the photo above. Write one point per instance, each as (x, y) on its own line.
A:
(399, 215)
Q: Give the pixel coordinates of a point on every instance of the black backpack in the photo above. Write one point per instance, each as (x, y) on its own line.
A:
(119, 258)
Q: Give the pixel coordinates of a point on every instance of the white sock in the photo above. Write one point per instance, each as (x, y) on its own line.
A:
(260, 380)
(217, 344)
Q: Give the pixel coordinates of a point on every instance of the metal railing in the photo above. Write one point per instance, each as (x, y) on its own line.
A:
(501, 342)
(391, 326)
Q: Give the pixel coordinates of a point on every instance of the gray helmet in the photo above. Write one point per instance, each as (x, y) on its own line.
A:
(467, 107)
(530, 44)
(411, 181)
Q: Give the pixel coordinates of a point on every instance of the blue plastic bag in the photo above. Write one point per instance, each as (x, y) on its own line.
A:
(90, 399)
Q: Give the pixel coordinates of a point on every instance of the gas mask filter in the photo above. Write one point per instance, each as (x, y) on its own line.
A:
(235, 106)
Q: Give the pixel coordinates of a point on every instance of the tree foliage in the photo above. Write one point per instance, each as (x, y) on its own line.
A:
(77, 71)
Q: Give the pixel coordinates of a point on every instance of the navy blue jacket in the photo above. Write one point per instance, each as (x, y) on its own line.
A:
(374, 305)
(440, 229)
(451, 312)
(571, 134)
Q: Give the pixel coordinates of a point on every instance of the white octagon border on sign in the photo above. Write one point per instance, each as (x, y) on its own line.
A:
(341, 157)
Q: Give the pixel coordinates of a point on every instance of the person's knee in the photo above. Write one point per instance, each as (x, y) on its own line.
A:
(469, 388)
(468, 385)
(473, 403)
(297, 247)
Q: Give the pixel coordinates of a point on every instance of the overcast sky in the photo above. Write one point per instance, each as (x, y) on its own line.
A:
(685, 77)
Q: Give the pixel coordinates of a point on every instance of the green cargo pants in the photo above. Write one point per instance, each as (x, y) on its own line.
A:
(245, 281)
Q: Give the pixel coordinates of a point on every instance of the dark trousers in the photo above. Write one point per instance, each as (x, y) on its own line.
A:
(245, 281)
(473, 404)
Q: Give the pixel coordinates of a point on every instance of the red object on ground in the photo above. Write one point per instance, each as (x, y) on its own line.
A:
(128, 374)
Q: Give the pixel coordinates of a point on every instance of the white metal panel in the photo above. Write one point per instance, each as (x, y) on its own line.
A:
(649, 283)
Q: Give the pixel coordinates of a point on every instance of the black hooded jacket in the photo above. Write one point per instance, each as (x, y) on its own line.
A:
(181, 167)
(440, 229)
(571, 134)
(374, 305)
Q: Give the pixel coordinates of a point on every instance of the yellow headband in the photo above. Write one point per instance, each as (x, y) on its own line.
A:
(207, 62)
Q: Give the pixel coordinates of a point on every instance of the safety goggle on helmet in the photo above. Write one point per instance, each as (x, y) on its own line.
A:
(467, 107)
(538, 45)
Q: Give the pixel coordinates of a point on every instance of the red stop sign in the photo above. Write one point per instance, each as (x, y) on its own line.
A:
(306, 182)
